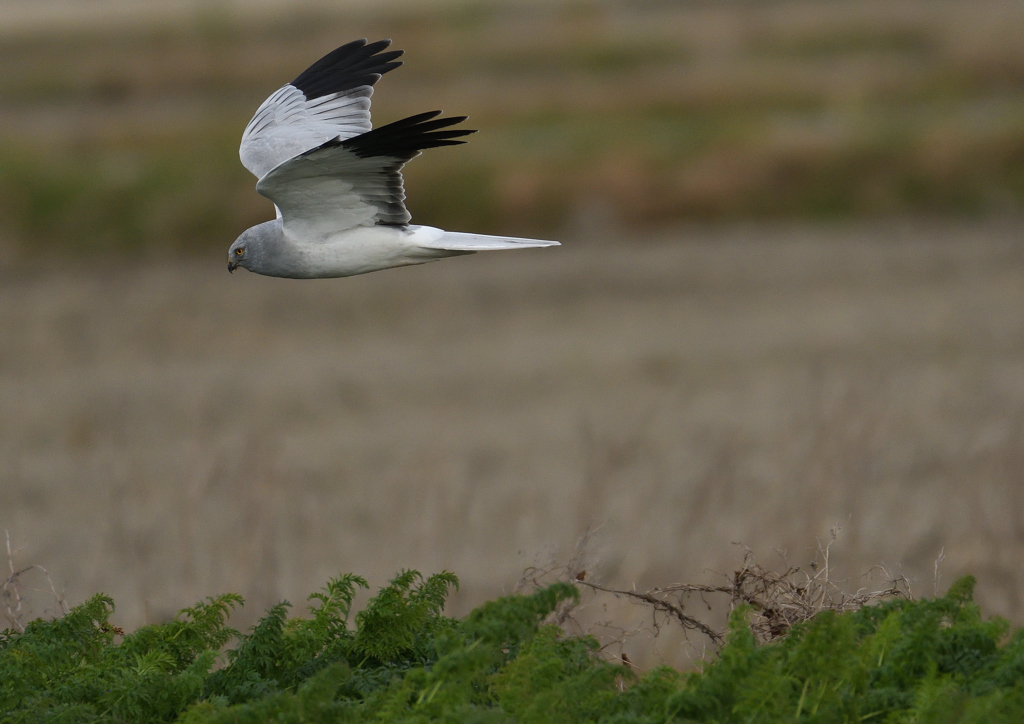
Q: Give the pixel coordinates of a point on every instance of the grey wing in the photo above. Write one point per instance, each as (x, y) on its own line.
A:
(330, 99)
(345, 183)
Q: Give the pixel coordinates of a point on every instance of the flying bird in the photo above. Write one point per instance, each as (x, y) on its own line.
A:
(336, 182)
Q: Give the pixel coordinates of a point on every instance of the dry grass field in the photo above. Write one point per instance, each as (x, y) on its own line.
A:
(169, 432)
(791, 296)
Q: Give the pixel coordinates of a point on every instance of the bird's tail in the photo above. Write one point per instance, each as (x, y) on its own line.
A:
(456, 241)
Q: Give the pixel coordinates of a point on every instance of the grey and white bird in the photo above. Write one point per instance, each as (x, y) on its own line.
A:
(336, 182)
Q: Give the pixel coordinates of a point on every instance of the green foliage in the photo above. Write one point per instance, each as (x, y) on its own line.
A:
(72, 670)
(404, 661)
(403, 619)
(901, 661)
(175, 191)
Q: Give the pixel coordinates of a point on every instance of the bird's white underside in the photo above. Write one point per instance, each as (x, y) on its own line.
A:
(373, 248)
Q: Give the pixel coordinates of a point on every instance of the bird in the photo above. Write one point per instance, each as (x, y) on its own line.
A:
(336, 182)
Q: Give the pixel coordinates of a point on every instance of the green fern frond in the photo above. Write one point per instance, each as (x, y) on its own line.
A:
(404, 661)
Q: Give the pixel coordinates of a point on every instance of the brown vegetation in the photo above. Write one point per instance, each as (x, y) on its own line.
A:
(170, 431)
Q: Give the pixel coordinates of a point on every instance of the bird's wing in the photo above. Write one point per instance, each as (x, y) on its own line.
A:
(330, 99)
(350, 182)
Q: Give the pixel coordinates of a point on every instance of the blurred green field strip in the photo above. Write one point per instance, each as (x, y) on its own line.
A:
(597, 57)
(515, 53)
(834, 42)
(177, 191)
(137, 68)
(532, 174)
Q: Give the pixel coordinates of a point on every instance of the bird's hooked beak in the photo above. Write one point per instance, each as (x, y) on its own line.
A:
(232, 266)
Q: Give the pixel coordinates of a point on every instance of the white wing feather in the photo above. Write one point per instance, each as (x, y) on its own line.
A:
(287, 124)
(329, 100)
(327, 191)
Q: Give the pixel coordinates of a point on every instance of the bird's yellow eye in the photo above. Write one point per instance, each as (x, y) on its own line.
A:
(239, 251)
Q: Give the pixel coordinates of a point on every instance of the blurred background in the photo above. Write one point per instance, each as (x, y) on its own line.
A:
(790, 296)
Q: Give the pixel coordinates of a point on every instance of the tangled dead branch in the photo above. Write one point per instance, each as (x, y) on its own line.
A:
(777, 600)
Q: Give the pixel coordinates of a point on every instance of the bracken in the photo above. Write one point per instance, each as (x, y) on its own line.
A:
(404, 661)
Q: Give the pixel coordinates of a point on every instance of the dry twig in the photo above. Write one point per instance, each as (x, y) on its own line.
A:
(10, 590)
(777, 601)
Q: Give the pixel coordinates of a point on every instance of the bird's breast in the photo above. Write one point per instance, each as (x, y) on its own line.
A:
(354, 251)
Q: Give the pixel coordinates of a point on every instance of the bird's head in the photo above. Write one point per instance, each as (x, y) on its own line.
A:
(257, 248)
(247, 249)
(238, 254)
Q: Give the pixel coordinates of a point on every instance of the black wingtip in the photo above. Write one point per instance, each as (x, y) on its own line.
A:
(405, 138)
(348, 66)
